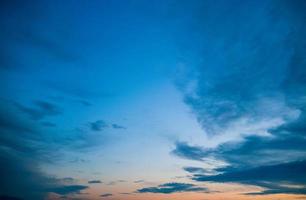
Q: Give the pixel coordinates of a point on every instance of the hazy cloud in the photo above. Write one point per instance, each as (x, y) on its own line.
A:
(183, 150)
(94, 181)
(40, 110)
(69, 189)
(98, 125)
(168, 188)
(106, 195)
(116, 126)
(101, 124)
(197, 170)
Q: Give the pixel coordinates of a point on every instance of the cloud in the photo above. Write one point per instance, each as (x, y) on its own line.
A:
(11, 121)
(98, 125)
(40, 110)
(255, 151)
(94, 181)
(197, 170)
(69, 189)
(271, 188)
(106, 195)
(252, 151)
(169, 188)
(248, 92)
(296, 127)
(290, 172)
(271, 177)
(18, 133)
(250, 101)
(236, 73)
(139, 181)
(23, 148)
(116, 126)
(269, 162)
(183, 150)
(101, 124)
(31, 184)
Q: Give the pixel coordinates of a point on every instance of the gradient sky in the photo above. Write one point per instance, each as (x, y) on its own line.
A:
(155, 100)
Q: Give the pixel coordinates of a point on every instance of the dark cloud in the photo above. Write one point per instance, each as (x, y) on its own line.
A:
(98, 125)
(236, 71)
(270, 176)
(197, 170)
(94, 181)
(17, 133)
(253, 151)
(272, 188)
(106, 195)
(23, 148)
(296, 128)
(257, 160)
(183, 150)
(168, 188)
(69, 189)
(21, 177)
(117, 126)
(287, 172)
(40, 110)
(237, 79)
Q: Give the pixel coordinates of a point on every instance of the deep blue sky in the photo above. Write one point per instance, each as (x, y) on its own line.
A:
(137, 99)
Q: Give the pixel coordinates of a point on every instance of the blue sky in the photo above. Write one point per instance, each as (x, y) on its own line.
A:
(152, 99)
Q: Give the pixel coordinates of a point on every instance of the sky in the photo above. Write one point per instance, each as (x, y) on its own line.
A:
(155, 100)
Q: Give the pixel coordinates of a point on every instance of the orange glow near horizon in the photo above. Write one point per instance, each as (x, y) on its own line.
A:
(219, 191)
